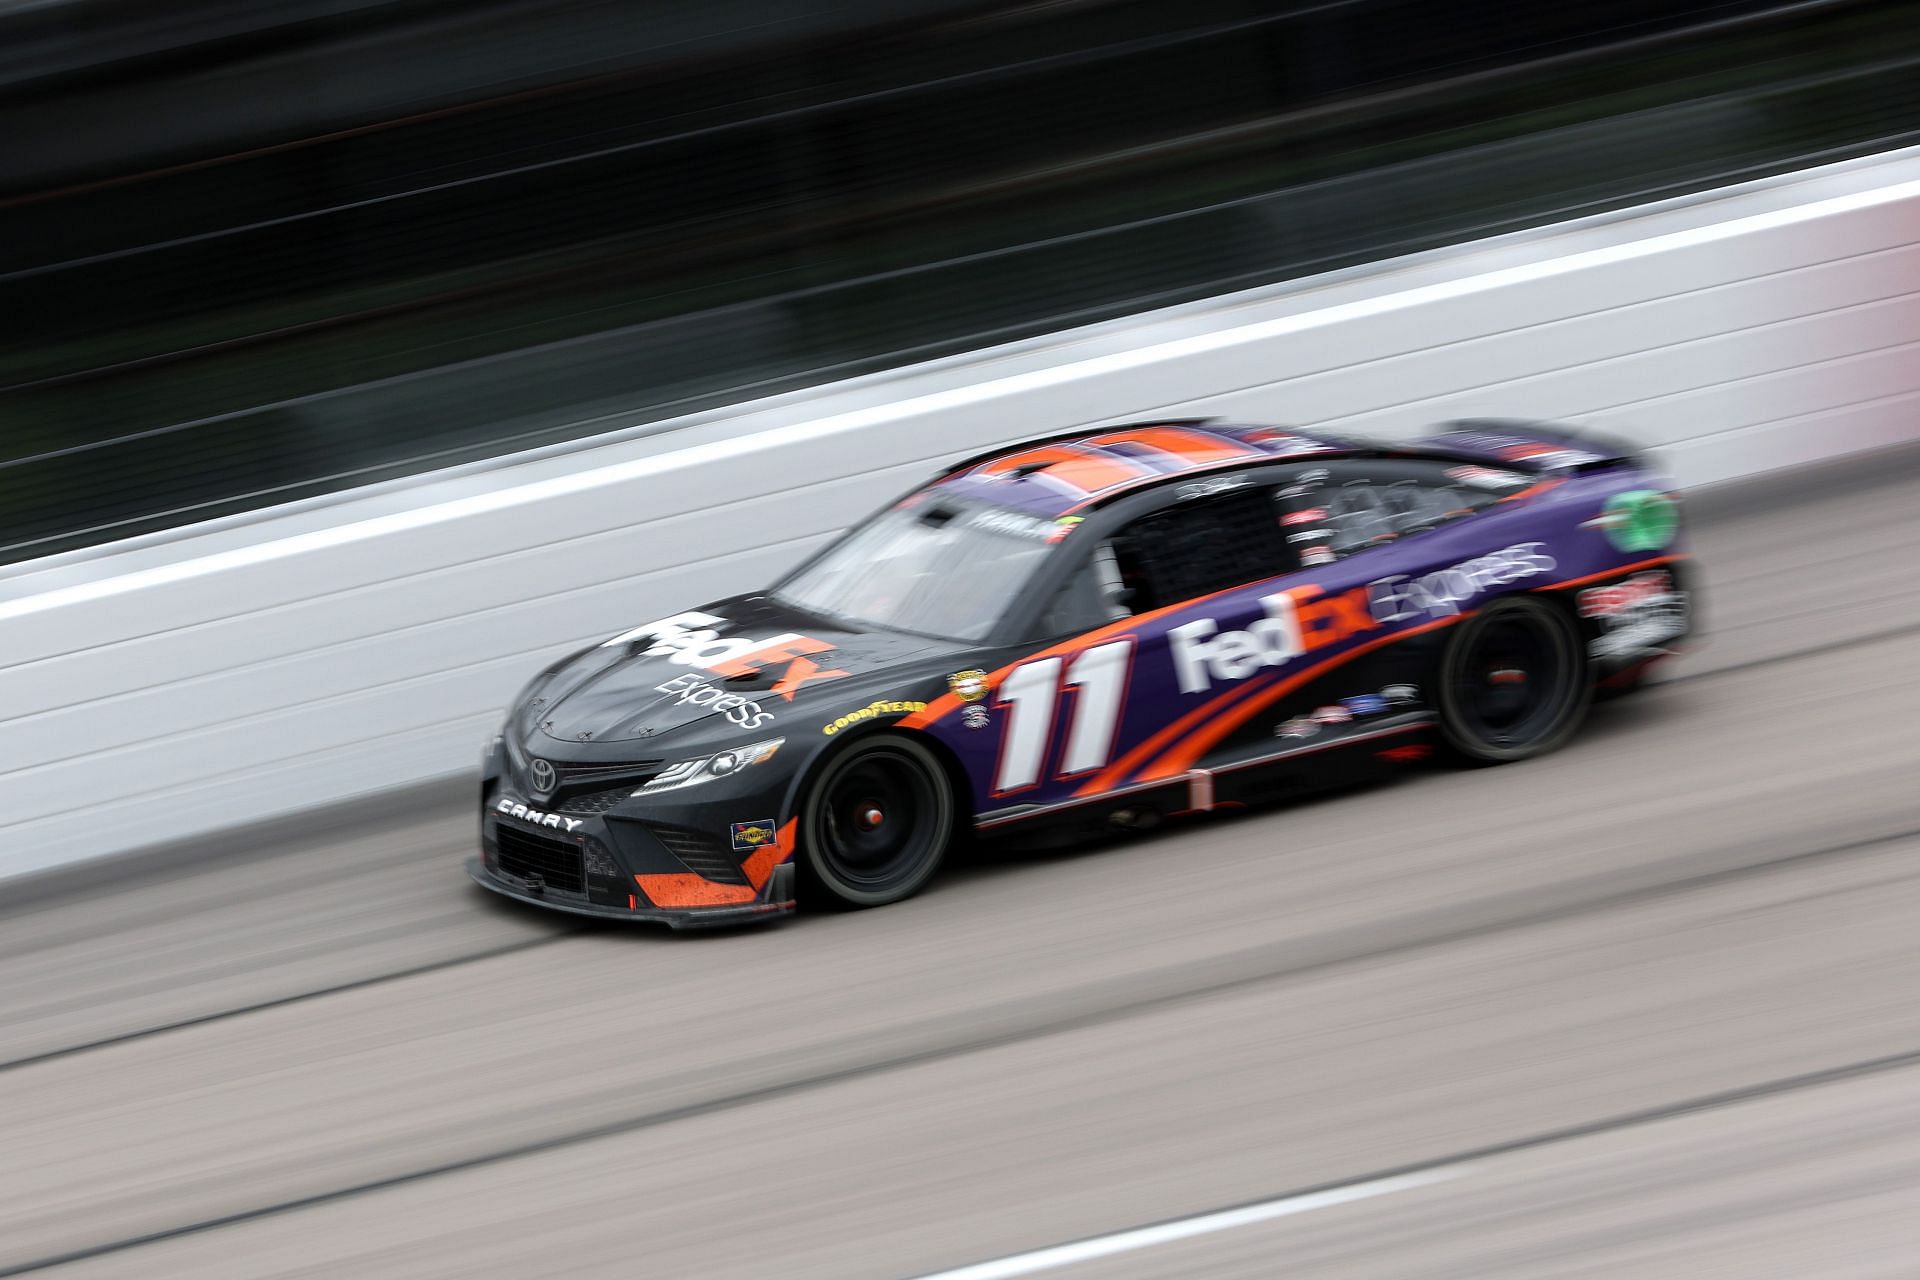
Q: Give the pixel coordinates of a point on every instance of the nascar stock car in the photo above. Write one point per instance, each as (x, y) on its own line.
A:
(1081, 634)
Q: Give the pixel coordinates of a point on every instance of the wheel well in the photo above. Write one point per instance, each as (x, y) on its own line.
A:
(956, 774)
(957, 779)
(1467, 742)
(1562, 602)
(1559, 601)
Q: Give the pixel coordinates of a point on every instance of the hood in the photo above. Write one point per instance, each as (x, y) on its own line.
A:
(733, 665)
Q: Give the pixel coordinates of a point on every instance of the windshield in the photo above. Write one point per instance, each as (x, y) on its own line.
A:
(940, 568)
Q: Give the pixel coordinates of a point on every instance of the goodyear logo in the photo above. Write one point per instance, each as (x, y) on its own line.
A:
(869, 712)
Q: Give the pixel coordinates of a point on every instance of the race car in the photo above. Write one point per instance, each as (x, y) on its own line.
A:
(1082, 635)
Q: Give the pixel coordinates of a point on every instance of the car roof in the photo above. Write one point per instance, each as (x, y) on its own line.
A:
(1057, 475)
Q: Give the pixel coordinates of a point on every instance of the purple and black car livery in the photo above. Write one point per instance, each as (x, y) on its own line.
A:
(1079, 634)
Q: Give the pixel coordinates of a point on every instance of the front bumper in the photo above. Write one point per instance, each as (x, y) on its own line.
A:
(637, 863)
(716, 853)
(778, 902)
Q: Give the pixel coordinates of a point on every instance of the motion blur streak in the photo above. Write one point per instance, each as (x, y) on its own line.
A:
(1027, 1264)
(1663, 1004)
(252, 253)
(977, 394)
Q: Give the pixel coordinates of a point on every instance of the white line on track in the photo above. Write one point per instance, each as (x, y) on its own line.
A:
(1062, 1255)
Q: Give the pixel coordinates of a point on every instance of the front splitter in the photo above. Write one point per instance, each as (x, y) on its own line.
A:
(696, 918)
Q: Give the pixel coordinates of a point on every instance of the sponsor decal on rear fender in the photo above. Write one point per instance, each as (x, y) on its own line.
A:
(1441, 593)
(1638, 520)
(1637, 615)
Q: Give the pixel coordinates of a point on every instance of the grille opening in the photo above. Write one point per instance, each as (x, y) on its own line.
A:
(573, 779)
(612, 771)
(701, 853)
(582, 779)
(597, 802)
(600, 862)
(556, 862)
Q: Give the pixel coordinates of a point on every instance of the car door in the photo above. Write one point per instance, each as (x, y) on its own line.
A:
(1269, 621)
(1111, 674)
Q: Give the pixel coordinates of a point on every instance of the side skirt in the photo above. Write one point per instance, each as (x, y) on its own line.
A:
(1199, 785)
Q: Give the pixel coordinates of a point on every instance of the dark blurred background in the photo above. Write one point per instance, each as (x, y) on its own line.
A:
(262, 250)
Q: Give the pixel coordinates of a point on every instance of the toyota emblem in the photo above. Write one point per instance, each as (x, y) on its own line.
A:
(542, 776)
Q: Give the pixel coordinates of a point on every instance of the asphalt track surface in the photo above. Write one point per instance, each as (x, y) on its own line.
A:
(1648, 1007)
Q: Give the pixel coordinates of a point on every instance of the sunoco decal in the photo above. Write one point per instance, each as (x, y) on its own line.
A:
(748, 836)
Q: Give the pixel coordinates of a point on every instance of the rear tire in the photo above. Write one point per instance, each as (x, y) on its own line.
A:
(1513, 682)
(875, 823)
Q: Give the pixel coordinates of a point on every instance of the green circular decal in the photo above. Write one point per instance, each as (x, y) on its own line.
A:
(1640, 520)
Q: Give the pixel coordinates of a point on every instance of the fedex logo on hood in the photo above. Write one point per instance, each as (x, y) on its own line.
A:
(692, 640)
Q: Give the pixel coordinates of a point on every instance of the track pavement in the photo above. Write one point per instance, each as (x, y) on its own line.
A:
(1643, 1007)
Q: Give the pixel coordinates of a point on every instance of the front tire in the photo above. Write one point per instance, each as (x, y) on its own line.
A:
(875, 823)
(1513, 682)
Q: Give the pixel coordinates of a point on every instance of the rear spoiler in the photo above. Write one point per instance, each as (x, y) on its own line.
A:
(1540, 447)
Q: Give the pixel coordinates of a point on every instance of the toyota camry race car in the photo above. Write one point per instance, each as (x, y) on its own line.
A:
(1082, 634)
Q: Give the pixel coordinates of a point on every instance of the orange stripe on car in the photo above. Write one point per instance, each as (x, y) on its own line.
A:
(1194, 447)
(1110, 776)
(1532, 490)
(1323, 620)
(1194, 472)
(769, 856)
(1087, 470)
(1183, 755)
(1635, 567)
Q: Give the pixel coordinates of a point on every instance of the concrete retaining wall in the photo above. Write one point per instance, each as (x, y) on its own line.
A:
(311, 656)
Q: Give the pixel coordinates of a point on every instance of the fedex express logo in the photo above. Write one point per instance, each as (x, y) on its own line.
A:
(1437, 594)
(1300, 620)
(691, 640)
(1296, 621)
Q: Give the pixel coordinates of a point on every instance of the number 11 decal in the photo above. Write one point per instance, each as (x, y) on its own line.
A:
(1098, 678)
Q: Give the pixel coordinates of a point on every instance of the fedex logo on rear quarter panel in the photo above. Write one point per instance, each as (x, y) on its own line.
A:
(1301, 619)
(1297, 621)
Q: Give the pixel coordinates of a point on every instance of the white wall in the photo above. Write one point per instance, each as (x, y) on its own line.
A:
(313, 655)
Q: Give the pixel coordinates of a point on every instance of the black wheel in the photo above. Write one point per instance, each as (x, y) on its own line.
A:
(1513, 682)
(875, 823)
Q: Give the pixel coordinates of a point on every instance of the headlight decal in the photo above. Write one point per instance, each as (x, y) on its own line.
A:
(721, 764)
